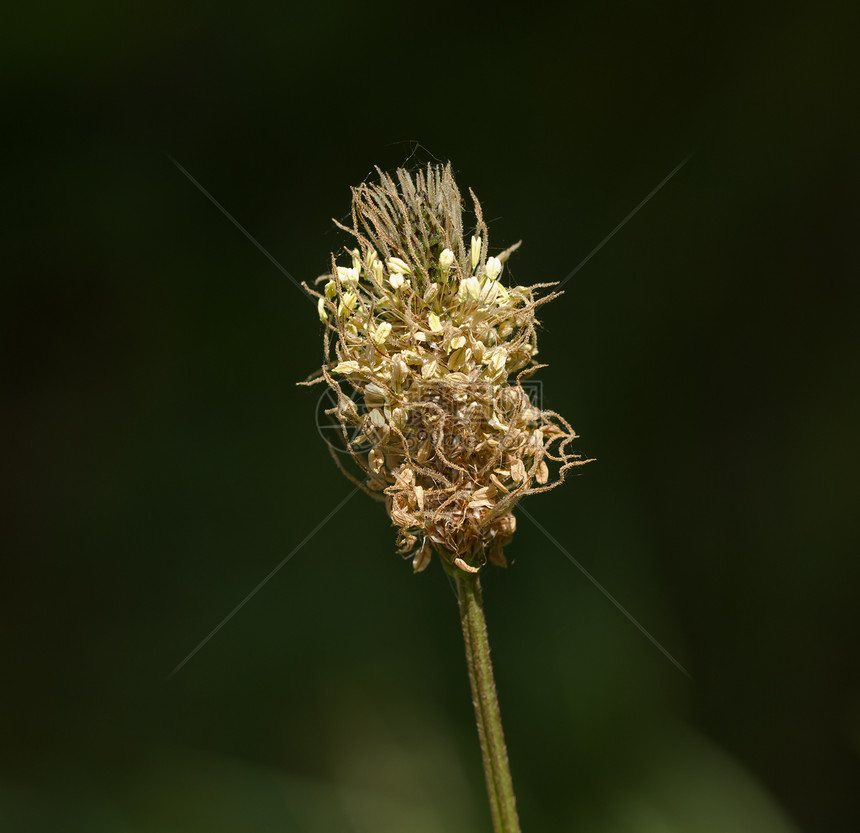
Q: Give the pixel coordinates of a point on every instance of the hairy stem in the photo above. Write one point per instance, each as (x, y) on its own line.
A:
(503, 804)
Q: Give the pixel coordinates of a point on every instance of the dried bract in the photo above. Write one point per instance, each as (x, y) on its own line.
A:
(419, 325)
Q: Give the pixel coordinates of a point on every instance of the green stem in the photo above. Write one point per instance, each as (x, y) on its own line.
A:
(503, 804)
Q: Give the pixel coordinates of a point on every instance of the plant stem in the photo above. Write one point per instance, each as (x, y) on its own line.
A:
(503, 804)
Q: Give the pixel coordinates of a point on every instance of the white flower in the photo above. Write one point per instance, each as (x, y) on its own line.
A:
(429, 369)
(435, 323)
(496, 362)
(396, 280)
(382, 332)
(321, 309)
(350, 299)
(399, 371)
(348, 275)
(494, 268)
(374, 395)
(469, 288)
(446, 260)
(477, 244)
(489, 292)
(395, 264)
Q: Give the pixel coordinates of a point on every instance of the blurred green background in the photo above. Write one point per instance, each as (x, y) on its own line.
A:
(160, 461)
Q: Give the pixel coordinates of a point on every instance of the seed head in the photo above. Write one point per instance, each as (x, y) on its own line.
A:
(423, 330)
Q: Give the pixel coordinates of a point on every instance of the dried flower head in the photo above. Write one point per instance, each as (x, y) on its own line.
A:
(419, 325)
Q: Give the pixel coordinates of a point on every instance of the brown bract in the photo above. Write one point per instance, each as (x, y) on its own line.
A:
(420, 328)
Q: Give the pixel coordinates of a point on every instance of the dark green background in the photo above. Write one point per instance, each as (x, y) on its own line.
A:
(160, 461)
